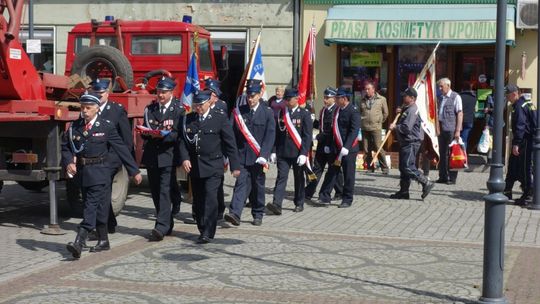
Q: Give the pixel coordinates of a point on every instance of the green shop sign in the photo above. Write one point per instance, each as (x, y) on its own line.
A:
(414, 30)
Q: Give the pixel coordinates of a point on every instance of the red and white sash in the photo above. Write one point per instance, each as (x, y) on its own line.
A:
(337, 135)
(252, 142)
(297, 139)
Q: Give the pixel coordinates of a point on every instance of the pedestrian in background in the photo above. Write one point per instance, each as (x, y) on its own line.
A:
(373, 113)
(277, 103)
(468, 99)
(450, 121)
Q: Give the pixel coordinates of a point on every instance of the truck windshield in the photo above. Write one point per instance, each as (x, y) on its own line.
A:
(82, 43)
(156, 45)
(205, 61)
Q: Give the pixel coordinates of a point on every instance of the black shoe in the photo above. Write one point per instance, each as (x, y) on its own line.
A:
(256, 222)
(385, 171)
(111, 229)
(522, 201)
(298, 209)
(248, 205)
(175, 209)
(103, 240)
(508, 194)
(451, 182)
(273, 209)
(76, 246)
(400, 195)
(427, 188)
(337, 197)
(203, 240)
(344, 205)
(321, 203)
(92, 236)
(232, 218)
(156, 235)
(442, 181)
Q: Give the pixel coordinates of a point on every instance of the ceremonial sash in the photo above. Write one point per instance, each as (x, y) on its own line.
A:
(252, 142)
(338, 139)
(250, 139)
(297, 139)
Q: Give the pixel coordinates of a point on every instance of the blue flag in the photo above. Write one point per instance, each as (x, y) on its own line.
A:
(192, 83)
(257, 69)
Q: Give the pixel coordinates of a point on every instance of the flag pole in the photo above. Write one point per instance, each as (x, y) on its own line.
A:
(424, 70)
(247, 71)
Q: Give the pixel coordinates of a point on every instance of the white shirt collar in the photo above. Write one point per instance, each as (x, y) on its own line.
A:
(331, 106)
(205, 114)
(102, 107)
(279, 100)
(166, 105)
(93, 120)
(448, 94)
(294, 109)
(256, 107)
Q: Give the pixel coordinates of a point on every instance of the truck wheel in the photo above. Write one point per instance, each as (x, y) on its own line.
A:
(119, 190)
(102, 61)
(34, 186)
(74, 197)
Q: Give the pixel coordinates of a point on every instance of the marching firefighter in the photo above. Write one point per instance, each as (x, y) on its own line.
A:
(293, 141)
(86, 149)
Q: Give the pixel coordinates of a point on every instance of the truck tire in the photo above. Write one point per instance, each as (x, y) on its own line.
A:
(119, 193)
(119, 190)
(102, 61)
(34, 186)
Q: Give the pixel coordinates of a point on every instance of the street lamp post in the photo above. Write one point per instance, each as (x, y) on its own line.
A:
(495, 207)
(536, 196)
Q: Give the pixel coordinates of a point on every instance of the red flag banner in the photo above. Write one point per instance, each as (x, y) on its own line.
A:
(427, 103)
(306, 87)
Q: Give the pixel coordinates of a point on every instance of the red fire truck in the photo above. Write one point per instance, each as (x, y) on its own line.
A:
(35, 108)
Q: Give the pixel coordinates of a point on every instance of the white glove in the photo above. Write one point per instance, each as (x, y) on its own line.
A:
(326, 149)
(261, 161)
(301, 160)
(344, 151)
(314, 137)
(273, 158)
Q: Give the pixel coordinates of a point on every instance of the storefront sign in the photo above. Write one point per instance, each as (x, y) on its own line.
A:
(366, 59)
(414, 30)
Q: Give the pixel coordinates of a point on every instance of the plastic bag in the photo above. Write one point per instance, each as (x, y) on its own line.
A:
(458, 156)
(485, 142)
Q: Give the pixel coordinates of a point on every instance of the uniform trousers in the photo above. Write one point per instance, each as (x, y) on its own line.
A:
(221, 199)
(520, 168)
(407, 163)
(371, 141)
(160, 180)
(320, 162)
(111, 220)
(348, 165)
(284, 164)
(205, 203)
(445, 138)
(96, 206)
(176, 195)
(250, 184)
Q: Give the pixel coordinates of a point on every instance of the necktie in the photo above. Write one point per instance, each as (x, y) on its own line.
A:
(201, 118)
(252, 112)
(162, 109)
(88, 126)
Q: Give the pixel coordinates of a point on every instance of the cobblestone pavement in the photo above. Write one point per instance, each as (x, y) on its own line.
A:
(377, 251)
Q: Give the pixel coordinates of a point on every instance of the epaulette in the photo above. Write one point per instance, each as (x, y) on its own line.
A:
(529, 104)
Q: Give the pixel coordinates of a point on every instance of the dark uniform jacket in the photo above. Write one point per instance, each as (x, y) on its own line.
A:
(348, 124)
(96, 145)
(205, 143)
(221, 106)
(263, 128)
(523, 121)
(324, 138)
(162, 152)
(285, 146)
(117, 115)
(408, 127)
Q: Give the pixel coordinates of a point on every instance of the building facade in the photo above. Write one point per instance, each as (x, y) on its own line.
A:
(234, 24)
(387, 42)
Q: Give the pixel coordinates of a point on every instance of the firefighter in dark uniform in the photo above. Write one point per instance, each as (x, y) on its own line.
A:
(293, 140)
(207, 137)
(221, 107)
(86, 149)
(344, 148)
(410, 135)
(324, 141)
(161, 154)
(520, 160)
(117, 115)
(255, 131)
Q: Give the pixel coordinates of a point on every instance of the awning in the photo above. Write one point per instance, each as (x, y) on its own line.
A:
(416, 24)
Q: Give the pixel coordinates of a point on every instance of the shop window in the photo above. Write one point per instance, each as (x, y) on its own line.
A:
(156, 45)
(44, 61)
(362, 64)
